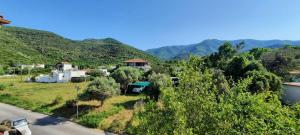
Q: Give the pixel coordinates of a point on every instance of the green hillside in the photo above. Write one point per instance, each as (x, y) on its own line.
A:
(209, 46)
(21, 45)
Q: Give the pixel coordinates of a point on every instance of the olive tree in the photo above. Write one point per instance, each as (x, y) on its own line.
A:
(158, 82)
(103, 88)
(126, 75)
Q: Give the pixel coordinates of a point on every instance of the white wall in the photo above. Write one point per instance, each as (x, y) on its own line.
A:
(67, 67)
(40, 66)
(291, 94)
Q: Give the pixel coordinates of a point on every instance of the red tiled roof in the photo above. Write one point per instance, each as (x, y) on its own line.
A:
(293, 84)
(3, 21)
(135, 60)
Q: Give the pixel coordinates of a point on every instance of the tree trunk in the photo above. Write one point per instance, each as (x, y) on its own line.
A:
(126, 89)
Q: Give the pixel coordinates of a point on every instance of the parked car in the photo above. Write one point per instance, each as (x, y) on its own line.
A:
(17, 126)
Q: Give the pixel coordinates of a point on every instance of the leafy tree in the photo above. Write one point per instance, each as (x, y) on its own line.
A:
(281, 61)
(258, 52)
(264, 81)
(221, 58)
(96, 73)
(102, 88)
(197, 107)
(158, 82)
(126, 75)
(236, 67)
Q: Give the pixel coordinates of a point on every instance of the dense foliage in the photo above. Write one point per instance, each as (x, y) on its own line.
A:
(102, 88)
(158, 81)
(126, 75)
(281, 61)
(225, 93)
(20, 45)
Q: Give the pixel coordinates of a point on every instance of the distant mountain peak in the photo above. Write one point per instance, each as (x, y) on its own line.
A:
(209, 46)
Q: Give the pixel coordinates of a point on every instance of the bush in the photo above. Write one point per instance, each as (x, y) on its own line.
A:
(78, 79)
(94, 119)
(71, 103)
(57, 100)
(117, 126)
(2, 86)
(96, 73)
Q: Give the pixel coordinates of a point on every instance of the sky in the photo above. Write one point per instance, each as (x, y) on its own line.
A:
(147, 24)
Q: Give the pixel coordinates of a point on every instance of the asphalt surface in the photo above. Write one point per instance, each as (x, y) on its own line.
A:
(41, 124)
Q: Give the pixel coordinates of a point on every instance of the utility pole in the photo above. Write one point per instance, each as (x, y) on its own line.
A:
(77, 89)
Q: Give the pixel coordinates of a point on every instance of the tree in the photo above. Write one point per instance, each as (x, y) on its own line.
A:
(258, 52)
(263, 81)
(197, 107)
(221, 58)
(103, 88)
(158, 82)
(126, 75)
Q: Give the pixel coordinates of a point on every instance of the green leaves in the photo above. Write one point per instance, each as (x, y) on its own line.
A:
(126, 75)
(103, 88)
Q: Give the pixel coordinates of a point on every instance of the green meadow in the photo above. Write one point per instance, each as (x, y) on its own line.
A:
(51, 98)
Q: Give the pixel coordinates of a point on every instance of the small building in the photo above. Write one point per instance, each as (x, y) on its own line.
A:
(27, 66)
(63, 66)
(291, 93)
(138, 63)
(3, 21)
(63, 73)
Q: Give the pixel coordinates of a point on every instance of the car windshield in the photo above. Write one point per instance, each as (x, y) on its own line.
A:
(21, 122)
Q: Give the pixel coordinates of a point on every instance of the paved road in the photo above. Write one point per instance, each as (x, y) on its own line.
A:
(46, 125)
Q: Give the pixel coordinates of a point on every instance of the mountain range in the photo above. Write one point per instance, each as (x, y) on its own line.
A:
(28, 46)
(209, 46)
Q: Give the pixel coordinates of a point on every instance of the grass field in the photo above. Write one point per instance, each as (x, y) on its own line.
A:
(50, 98)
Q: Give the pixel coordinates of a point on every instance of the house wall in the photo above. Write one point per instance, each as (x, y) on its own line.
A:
(291, 94)
(40, 66)
(67, 67)
(27, 66)
(78, 73)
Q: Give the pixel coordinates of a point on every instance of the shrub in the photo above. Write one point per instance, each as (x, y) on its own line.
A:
(94, 119)
(2, 86)
(71, 103)
(57, 100)
(117, 126)
(78, 79)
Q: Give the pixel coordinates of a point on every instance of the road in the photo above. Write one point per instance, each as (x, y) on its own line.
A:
(46, 125)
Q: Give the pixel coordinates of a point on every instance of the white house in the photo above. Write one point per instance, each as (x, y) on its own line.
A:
(291, 92)
(64, 73)
(60, 77)
(63, 66)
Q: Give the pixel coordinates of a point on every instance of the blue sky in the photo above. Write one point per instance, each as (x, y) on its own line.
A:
(148, 24)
